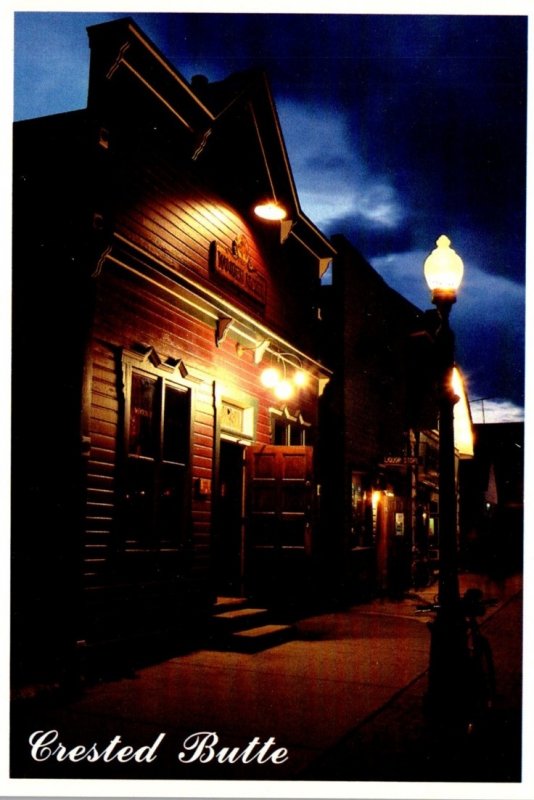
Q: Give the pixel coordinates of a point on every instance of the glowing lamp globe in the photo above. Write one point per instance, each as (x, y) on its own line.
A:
(444, 270)
(271, 211)
(300, 378)
(283, 390)
(270, 377)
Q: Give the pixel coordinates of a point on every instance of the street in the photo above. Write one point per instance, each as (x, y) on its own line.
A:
(342, 700)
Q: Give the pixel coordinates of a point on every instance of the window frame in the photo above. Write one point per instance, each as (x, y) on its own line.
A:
(290, 423)
(166, 375)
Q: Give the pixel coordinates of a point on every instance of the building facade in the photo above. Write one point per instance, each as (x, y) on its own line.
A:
(492, 515)
(379, 430)
(152, 469)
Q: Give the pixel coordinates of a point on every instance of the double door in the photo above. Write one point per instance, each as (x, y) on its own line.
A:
(265, 520)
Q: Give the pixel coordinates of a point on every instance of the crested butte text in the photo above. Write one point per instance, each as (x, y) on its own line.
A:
(202, 747)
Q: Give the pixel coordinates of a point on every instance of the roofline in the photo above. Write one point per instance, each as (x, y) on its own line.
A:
(301, 216)
(303, 229)
(130, 27)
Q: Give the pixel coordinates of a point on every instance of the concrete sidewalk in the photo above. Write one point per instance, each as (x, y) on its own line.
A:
(397, 743)
(343, 698)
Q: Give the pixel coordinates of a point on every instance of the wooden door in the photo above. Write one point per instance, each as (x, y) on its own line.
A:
(280, 492)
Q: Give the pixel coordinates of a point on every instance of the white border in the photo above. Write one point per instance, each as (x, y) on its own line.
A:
(263, 789)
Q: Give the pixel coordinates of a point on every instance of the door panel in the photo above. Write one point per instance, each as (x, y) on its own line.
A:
(280, 511)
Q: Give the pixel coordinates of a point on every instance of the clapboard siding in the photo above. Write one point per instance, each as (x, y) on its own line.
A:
(167, 216)
(100, 508)
(125, 318)
(175, 220)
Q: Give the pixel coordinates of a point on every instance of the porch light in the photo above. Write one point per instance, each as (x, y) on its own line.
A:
(283, 389)
(285, 377)
(270, 377)
(300, 378)
(375, 498)
(270, 210)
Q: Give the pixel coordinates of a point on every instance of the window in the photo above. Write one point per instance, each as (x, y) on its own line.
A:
(158, 421)
(363, 511)
(289, 430)
(237, 414)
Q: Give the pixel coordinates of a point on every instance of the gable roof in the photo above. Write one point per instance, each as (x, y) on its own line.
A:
(233, 124)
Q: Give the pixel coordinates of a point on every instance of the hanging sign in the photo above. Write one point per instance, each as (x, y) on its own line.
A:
(234, 265)
(399, 461)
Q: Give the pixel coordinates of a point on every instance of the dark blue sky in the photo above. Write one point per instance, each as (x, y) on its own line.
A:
(398, 128)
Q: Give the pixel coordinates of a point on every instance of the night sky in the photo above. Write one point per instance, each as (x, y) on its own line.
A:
(398, 129)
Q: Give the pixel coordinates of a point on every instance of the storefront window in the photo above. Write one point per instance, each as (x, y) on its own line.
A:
(158, 442)
(142, 438)
(362, 512)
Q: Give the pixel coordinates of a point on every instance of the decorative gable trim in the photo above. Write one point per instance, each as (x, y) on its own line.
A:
(146, 354)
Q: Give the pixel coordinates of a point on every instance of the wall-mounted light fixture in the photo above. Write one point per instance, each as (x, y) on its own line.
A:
(285, 377)
(270, 210)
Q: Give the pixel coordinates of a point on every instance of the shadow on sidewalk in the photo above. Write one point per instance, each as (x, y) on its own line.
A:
(398, 744)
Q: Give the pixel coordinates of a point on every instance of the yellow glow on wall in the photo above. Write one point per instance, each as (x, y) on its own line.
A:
(463, 429)
(300, 378)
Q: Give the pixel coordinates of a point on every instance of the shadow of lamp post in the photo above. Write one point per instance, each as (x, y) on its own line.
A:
(443, 271)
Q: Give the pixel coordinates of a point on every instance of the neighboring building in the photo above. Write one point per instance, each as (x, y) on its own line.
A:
(379, 439)
(493, 485)
(152, 471)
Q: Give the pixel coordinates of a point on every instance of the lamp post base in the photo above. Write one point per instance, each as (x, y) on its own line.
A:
(447, 700)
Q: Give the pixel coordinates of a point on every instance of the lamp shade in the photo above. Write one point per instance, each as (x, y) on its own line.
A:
(270, 210)
(444, 269)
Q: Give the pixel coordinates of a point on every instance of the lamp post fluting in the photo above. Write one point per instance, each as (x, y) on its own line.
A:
(448, 649)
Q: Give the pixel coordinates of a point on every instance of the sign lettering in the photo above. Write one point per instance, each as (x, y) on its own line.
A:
(233, 264)
(399, 461)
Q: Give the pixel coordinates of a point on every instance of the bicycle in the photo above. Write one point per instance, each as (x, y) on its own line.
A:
(479, 690)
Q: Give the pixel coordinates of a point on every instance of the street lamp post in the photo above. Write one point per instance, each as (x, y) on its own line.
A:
(448, 649)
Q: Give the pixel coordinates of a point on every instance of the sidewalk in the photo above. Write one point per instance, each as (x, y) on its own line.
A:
(397, 744)
(344, 698)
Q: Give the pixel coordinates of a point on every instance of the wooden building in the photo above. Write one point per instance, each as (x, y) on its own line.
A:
(152, 469)
(379, 425)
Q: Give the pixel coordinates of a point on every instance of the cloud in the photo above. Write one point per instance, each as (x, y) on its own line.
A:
(488, 320)
(340, 193)
(333, 181)
(404, 273)
(493, 411)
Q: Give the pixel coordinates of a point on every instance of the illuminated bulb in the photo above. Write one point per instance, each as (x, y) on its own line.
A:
(270, 210)
(300, 378)
(270, 377)
(443, 268)
(283, 390)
